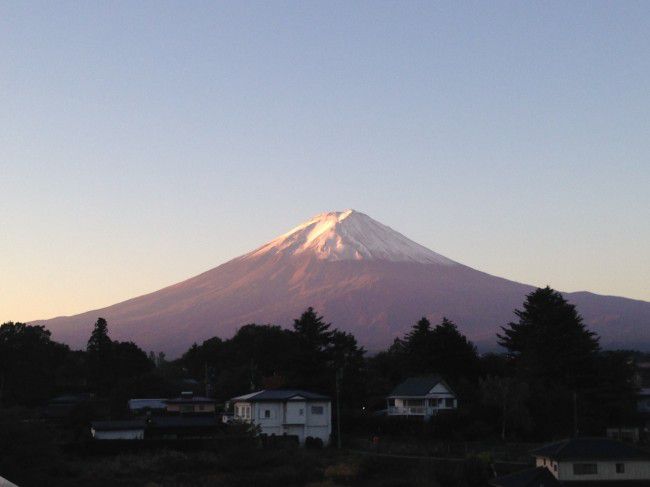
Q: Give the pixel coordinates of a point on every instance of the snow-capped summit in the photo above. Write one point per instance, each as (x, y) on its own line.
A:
(364, 277)
(350, 235)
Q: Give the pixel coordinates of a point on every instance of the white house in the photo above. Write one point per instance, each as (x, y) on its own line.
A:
(118, 430)
(291, 412)
(421, 396)
(597, 461)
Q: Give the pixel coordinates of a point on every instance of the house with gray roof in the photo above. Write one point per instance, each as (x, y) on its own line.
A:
(286, 411)
(421, 397)
(595, 461)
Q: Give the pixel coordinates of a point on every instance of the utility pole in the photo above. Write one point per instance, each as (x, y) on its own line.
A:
(575, 414)
(339, 375)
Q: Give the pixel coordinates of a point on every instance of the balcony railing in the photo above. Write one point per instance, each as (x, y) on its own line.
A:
(415, 410)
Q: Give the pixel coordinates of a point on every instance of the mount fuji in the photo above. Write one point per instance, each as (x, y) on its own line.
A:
(363, 276)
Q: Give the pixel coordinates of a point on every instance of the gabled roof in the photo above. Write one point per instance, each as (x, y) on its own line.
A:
(418, 386)
(532, 477)
(590, 449)
(280, 395)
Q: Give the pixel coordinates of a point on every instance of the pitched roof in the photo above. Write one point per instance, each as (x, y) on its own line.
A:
(417, 386)
(590, 449)
(532, 477)
(280, 395)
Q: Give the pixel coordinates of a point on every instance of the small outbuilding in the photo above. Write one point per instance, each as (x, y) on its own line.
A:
(118, 430)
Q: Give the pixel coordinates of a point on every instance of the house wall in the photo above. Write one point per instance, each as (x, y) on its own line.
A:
(191, 408)
(285, 417)
(634, 470)
(295, 412)
(319, 425)
(606, 470)
(552, 465)
(118, 435)
(273, 425)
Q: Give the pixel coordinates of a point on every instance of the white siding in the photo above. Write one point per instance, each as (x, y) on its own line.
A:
(118, 435)
(294, 417)
(295, 412)
(634, 470)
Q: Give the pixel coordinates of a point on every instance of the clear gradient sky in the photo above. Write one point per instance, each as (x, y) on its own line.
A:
(144, 142)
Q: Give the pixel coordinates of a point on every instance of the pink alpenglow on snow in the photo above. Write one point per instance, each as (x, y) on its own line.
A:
(363, 276)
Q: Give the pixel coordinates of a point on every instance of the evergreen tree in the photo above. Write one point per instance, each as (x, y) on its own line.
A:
(29, 363)
(313, 353)
(442, 350)
(557, 356)
(549, 342)
(100, 358)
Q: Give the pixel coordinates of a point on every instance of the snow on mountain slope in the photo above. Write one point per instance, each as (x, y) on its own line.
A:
(350, 235)
(364, 277)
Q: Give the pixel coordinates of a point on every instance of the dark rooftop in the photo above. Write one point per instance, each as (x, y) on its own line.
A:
(590, 449)
(190, 400)
(416, 386)
(129, 424)
(159, 422)
(532, 477)
(162, 422)
(280, 395)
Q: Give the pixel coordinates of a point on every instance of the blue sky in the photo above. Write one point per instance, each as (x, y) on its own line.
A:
(144, 142)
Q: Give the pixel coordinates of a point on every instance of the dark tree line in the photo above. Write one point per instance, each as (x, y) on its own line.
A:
(307, 356)
(552, 380)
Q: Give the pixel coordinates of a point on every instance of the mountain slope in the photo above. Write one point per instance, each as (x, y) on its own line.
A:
(361, 275)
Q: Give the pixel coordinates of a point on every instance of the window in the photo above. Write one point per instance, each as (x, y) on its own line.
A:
(301, 412)
(267, 413)
(555, 467)
(620, 468)
(449, 402)
(585, 469)
(317, 410)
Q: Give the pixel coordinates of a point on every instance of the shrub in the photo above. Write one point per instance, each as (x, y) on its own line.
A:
(343, 472)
